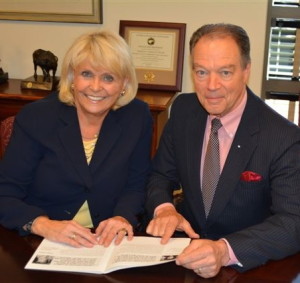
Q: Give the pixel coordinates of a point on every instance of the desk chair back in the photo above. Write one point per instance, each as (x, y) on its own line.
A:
(6, 127)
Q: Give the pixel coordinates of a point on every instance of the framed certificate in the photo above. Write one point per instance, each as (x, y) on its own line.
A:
(157, 49)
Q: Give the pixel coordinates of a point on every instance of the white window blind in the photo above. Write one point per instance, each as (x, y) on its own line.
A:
(281, 85)
(283, 64)
(281, 76)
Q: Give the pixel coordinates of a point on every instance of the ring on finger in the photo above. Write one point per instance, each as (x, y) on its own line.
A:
(73, 236)
(123, 230)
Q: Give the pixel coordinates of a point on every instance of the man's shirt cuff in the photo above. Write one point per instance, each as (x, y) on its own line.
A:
(232, 258)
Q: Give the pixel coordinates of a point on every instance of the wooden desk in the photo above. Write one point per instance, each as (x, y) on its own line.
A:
(15, 251)
(13, 98)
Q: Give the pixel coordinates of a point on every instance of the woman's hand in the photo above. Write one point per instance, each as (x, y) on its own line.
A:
(64, 231)
(113, 227)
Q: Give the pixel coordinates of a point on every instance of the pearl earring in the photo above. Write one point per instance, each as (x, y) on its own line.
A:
(123, 93)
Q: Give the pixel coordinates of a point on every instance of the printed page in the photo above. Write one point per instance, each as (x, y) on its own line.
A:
(141, 251)
(61, 257)
(145, 251)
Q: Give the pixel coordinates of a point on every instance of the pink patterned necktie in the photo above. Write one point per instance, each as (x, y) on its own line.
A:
(211, 168)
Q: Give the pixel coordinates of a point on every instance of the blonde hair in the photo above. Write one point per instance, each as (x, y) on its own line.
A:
(103, 49)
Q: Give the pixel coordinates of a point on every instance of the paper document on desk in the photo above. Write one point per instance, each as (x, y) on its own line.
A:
(141, 251)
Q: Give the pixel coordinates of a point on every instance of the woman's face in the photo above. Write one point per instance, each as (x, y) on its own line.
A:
(95, 90)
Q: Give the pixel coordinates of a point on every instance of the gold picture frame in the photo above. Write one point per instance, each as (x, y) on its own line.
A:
(158, 51)
(76, 11)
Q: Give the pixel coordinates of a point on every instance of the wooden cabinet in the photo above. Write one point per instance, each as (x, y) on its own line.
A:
(13, 98)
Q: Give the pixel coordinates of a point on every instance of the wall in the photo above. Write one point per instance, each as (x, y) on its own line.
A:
(20, 38)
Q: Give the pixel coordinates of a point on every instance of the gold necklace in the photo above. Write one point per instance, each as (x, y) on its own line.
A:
(89, 146)
(94, 137)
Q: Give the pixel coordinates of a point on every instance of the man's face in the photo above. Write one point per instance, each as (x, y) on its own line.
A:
(218, 74)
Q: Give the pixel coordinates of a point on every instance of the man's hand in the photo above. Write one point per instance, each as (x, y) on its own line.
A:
(166, 221)
(68, 232)
(205, 257)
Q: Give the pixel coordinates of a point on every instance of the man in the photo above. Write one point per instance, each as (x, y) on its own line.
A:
(253, 214)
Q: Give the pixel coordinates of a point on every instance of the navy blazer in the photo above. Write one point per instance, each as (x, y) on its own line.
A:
(44, 170)
(260, 220)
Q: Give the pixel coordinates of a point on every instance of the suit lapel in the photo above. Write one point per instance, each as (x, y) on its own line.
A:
(109, 135)
(195, 129)
(243, 146)
(70, 138)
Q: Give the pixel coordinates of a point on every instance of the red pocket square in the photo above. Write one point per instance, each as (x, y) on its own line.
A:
(249, 176)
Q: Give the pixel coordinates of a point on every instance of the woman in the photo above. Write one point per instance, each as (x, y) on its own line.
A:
(79, 159)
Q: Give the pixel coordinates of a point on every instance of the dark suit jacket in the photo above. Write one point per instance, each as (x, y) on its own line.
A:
(261, 220)
(44, 169)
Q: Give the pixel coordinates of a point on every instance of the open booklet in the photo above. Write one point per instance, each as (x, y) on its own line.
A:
(141, 251)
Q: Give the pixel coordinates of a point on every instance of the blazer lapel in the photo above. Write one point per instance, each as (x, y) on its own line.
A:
(70, 138)
(242, 148)
(109, 135)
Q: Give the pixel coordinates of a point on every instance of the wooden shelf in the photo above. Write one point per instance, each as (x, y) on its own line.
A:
(13, 98)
